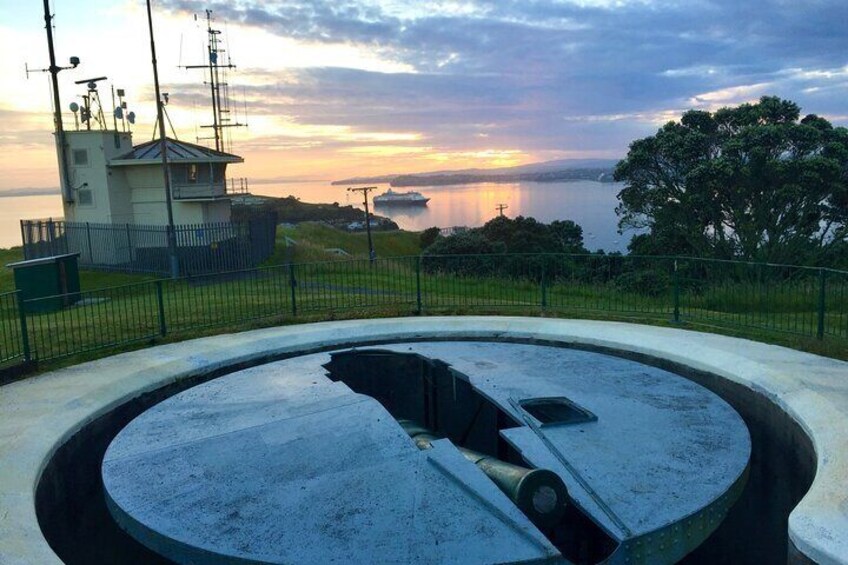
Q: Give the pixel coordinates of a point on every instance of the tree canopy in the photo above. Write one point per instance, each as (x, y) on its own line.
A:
(487, 250)
(754, 182)
(518, 235)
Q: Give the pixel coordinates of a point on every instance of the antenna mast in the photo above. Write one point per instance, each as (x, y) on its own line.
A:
(163, 148)
(64, 176)
(220, 104)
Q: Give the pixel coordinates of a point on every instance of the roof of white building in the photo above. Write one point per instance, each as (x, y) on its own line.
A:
(177, 152)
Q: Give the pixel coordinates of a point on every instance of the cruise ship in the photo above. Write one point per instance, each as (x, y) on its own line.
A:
(392, 198)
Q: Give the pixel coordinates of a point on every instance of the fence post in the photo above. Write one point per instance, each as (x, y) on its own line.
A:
(163, 328)
(24, 329)
(544, 288)
(676, 277)
(88, 237)
(418, 284)
(292, 284)
(24, 241)
(821, 305)
(51, 237)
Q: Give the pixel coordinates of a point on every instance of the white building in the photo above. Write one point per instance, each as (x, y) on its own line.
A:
(113, 182)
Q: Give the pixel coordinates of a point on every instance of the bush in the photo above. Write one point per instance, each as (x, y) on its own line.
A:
(470, 245)
(429, 237)
(469, 242)
(647, 283)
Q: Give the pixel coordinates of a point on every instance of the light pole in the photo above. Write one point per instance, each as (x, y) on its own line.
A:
(172, 236)
(365, 190)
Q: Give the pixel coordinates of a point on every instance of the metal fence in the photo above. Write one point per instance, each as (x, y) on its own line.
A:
(201, 248)
(12, 348)
(762, 298)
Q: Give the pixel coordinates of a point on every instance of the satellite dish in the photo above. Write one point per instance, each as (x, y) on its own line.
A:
(74, 107)
(131, 117)
(119, 113)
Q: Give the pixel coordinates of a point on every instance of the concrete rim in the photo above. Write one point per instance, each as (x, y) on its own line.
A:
(38, 414)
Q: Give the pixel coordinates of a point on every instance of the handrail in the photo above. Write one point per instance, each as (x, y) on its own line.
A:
(808, 301)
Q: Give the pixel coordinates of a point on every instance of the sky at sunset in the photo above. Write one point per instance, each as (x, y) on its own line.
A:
(336, 88)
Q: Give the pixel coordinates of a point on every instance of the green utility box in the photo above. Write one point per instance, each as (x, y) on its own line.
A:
(48, 283)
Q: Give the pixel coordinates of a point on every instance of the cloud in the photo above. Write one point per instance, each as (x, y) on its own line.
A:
(546, 78)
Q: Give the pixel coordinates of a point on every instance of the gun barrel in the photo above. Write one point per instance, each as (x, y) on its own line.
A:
(539, 493)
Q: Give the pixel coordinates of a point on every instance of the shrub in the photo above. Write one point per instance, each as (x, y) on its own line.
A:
(646, 282)
(429, 237)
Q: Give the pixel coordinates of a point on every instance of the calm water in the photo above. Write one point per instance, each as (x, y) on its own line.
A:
(590, 204)
(15, 208)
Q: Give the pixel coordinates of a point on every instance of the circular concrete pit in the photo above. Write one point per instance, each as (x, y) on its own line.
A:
(305, 461)
(55, 430)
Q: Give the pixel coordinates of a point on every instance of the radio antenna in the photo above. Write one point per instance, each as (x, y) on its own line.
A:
(218, 86)
(54, 69)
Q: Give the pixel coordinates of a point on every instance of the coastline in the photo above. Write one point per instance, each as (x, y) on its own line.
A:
(22, 192)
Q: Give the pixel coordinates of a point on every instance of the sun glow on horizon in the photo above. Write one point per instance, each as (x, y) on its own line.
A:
(375, 87)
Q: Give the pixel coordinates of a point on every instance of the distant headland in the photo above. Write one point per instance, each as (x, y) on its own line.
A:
(10, 192)
(561, 170)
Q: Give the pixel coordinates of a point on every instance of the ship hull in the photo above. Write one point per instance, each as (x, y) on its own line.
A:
(421, 202)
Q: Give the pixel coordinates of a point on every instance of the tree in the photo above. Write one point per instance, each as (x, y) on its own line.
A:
(429, 236)
(527, 235)
(502, 235)
(470, 242)
(753, 182)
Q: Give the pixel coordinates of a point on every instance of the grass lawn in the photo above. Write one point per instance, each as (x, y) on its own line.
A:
(122, 311)
(314, 238)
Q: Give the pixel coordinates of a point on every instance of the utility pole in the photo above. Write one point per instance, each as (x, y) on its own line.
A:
(500, 208)
(365, 190)
(172, 235)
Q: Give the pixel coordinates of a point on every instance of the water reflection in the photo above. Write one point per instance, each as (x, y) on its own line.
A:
(13, 209)
(590, 204)
(401, 213)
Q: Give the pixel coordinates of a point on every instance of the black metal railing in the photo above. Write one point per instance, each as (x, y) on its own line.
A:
(753, 298)
(201, 248)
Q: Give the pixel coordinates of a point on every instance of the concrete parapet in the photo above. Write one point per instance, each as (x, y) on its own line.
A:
(38, 416)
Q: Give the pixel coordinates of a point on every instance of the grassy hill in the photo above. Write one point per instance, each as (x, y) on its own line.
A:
(312, 241)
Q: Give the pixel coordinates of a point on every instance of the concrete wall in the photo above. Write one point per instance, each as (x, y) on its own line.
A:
(135, 194)
(74, 518)
(217, 211)
(785, 396)
(148, 201)
(108, 187)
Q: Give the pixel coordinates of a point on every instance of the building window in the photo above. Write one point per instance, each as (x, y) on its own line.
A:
(192, 172)
(80, 157)
(85, 197)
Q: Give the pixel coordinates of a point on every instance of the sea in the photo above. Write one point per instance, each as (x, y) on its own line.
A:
(590, 204)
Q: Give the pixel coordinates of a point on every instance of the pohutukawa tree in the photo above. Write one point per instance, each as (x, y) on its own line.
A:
(753, 182)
